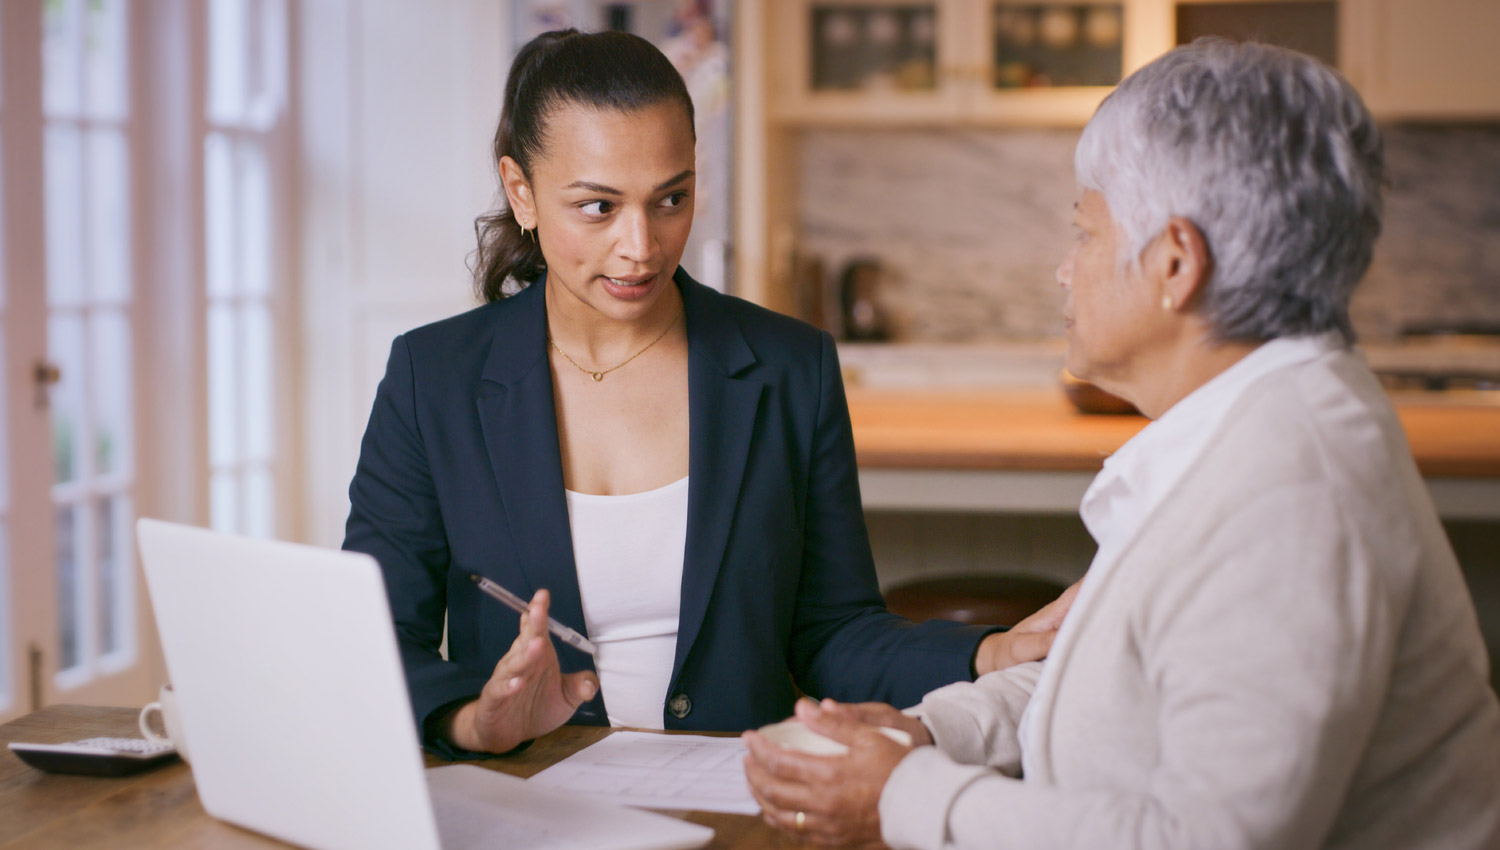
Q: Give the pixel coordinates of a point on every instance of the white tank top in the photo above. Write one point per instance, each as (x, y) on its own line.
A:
(629, 551)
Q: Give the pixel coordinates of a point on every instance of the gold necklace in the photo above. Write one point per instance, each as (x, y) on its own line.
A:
(599, 376)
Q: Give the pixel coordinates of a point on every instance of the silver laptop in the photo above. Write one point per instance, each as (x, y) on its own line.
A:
(291, 692)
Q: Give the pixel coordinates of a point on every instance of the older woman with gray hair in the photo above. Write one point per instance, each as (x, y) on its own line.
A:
(1274, 646)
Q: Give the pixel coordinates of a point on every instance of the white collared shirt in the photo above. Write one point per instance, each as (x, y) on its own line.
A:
(1138, 476)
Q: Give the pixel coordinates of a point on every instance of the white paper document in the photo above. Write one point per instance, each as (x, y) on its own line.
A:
(657, 771)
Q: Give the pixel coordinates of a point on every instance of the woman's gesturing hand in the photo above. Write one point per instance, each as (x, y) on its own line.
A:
(527, 696)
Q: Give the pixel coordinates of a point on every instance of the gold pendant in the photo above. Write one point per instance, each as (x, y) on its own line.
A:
(598, 376)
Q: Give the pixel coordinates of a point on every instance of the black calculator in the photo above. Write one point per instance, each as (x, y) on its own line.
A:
(96, 756)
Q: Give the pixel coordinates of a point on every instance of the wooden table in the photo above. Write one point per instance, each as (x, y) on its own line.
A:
(160, 808)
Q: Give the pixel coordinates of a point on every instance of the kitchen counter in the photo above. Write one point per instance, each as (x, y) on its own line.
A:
(1026, 449)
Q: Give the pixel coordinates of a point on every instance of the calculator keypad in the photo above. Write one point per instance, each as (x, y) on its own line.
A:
(128, 745)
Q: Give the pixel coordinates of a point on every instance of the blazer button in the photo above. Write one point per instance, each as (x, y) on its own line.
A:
(680, 706)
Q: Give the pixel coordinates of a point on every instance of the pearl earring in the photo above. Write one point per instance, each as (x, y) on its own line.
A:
(1166, 303)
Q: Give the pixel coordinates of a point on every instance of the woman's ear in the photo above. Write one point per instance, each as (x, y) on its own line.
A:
(518, 192)
(1185, 262)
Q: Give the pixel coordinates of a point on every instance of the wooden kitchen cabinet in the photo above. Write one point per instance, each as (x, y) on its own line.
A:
(956, 62)
(1423, 59)
(1412, 60)
(865, 61)
(892, 63)
(1120, 36)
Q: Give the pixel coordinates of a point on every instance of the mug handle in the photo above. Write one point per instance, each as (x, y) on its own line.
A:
(144, 721)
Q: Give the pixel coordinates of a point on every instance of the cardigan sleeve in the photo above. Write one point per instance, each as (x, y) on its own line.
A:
(394, 516)
(845, 644)
(979, 722)
(1270, 669)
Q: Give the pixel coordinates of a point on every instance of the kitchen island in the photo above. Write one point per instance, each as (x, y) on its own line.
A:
(1027, 450)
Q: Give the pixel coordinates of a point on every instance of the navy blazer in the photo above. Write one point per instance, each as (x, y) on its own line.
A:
(460, 472)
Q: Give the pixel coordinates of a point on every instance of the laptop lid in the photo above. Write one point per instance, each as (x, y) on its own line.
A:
(290, 688)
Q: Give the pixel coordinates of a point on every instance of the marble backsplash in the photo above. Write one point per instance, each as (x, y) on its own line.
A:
(969, 226)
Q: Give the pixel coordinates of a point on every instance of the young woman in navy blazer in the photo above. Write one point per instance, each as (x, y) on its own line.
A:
(611, 372)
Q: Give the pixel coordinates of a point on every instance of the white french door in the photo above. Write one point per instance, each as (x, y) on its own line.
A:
(20, 292)
(144, 302)
(74, 625)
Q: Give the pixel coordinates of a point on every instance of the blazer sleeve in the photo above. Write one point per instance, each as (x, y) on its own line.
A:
(394, 516)
(845, 644)
(1261, 728)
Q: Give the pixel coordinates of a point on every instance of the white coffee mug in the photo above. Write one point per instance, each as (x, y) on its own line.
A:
(794, 735)
(171, 720)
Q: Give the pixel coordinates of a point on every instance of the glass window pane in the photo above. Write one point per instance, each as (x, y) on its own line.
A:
(223, 386)
(258, 507)
(107, 233)
(112, 520)
(228, 22)
(111, 386)
(5, 603)
(1048, 44)
(4, 445)
(255, 219)
(70, 591)
(64, 215)
(61, 41)
(5, 680)
(106, 70)
(267, 73)
(218, 155)
(66, 402)
(224, 502)
(3, 228)
(257, 405)
(104, 562)
(7, 697)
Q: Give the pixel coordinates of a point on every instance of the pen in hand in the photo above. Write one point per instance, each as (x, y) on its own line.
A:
(517, 604)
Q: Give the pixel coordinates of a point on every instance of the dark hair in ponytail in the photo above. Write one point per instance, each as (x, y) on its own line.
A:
(613, 70)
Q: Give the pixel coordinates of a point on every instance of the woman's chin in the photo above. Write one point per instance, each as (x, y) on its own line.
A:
(1076, 365)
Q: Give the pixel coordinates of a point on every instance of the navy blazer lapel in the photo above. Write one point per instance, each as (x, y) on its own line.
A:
(519, 418)
(722, 411)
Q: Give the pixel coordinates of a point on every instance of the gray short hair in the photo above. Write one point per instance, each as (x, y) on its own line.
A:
(1271, 154)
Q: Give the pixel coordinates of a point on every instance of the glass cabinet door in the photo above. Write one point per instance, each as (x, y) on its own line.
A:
(878, 49)
(1053, 45)
(1050, 62)
(948, 62)
(868, 61)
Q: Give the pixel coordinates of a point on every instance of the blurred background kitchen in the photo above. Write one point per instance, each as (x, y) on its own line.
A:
(217, 213)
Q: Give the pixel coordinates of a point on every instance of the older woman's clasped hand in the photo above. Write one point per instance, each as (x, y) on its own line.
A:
(527, 695)
(834, 800)
(831, 800)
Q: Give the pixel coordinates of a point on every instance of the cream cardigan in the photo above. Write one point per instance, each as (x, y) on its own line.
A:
(1284, 656)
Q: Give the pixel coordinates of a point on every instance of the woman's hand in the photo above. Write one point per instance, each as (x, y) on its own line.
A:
(527, 696)
(1029, 640)
(829, 800)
